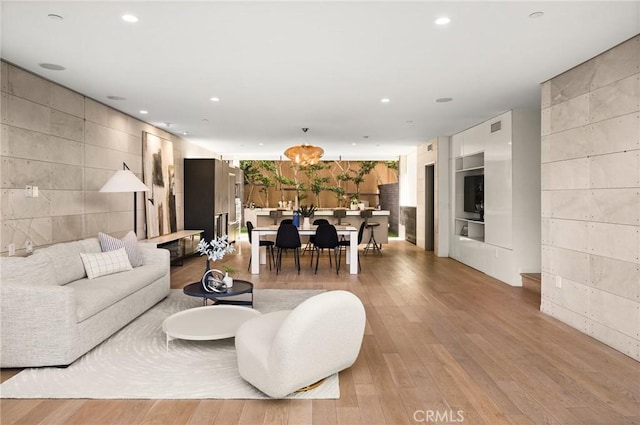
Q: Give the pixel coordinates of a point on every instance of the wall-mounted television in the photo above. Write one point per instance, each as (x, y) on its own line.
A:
(474, 193)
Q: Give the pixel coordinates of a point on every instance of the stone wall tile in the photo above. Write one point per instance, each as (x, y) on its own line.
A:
(616, 170)
(93, 224)
(613, 338)
(4, 77)
(66, 177)
(616, 64)
(614, 312)
(16, 205)
(96, 202)
(616, 206)
(18, 112)
(67, 202)
(570, 174)
(614, 241)
(573, 83)
(94, 178)
(569, 234)
(96, 112)
(619, 98)
(567, 204)
(17, 232)
(96, 134)
(67, 126)
(66, 228)
(18, 173)
(615, 135)
(65, 151)
(26, 144)
(615, 276)
(67, 101)
(570, 114)
(569, 144)
(29, 86)
(545, 95)
(117, 120)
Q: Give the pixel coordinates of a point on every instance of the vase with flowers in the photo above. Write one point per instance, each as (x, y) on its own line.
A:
(213, 279)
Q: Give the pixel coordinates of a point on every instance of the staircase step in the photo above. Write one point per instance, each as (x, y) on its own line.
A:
(532, 281)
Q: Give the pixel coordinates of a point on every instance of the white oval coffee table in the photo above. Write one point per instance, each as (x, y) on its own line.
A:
(207, 323)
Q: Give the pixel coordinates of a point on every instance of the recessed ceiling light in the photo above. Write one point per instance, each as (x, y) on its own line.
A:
(116, 98)
(444, 99)
(442, 20)
(51, 66)
(385, 100)
(143, 112)
(215, 99)
(184, 133)
(261, 144)
(536, 15)
(353, 144)
(130, 18)
(55, 17)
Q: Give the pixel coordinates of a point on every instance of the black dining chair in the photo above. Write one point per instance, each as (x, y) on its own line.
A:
(288, 238)
(309, 245)
(286, 221)
(268, 244)
(326, 237)
(345, 243)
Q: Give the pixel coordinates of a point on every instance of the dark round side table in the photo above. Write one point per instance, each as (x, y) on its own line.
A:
(239, 287)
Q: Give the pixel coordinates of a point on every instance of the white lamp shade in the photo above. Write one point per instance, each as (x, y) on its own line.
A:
(124, 181)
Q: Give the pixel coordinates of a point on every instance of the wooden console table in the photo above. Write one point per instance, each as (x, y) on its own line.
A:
(180, 244)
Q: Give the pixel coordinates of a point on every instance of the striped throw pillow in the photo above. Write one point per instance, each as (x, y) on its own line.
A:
(129, 242)
(104, 263)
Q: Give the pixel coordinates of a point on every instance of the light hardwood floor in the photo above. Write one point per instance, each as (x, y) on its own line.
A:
(443, 344)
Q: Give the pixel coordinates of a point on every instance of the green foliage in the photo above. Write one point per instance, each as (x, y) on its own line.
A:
(307, 211)
(229, 269)
(392, 165)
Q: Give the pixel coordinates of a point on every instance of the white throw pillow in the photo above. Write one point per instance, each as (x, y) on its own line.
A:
(104, 263)
(129, 242)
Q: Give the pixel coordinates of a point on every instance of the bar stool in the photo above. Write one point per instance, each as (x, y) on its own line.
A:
(340, 213)
(372, 244)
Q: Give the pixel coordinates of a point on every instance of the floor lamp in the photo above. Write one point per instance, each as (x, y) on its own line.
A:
(125, 181)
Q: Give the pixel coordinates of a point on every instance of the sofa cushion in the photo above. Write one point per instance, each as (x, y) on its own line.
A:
(36, 270)
(94, 295)
(105, 263)
(129, 242)
(65, 260)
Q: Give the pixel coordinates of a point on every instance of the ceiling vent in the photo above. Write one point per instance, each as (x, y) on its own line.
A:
(496, 126)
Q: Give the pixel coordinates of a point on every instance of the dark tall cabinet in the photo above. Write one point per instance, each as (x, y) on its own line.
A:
(206, 196)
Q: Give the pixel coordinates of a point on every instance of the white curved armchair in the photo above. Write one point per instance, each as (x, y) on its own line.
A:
(281, 352)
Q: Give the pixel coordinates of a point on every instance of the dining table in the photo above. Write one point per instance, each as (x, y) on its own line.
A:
(259, 255)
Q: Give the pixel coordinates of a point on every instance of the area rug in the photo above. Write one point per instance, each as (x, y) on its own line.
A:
(135, 363)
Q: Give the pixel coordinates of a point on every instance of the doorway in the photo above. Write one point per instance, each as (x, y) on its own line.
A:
(429, 198)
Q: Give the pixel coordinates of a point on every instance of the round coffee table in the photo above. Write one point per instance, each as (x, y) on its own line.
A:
(239, 287)
(207, 323)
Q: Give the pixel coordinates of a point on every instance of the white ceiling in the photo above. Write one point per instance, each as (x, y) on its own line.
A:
(278, 67)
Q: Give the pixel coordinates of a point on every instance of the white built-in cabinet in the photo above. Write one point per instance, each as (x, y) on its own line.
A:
(506, 150)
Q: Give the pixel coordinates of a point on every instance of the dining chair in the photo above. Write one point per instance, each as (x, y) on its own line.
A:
(309, 245)
(345, 243)
(288, 238)
(326, 238)
(268, 244)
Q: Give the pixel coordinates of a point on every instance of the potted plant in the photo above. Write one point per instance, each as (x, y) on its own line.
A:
(306, 212)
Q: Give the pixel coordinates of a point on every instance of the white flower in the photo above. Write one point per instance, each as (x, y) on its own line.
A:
(216, 249)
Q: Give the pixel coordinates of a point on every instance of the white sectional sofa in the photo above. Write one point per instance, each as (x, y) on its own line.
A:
(51, 313)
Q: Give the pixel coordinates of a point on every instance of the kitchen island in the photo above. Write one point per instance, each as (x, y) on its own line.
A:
(261, 217)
